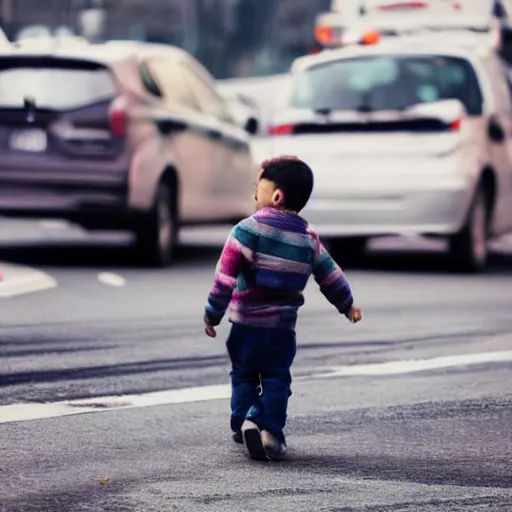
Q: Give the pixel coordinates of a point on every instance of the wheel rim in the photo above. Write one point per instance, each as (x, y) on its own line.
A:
(165, 226)
(479, 231)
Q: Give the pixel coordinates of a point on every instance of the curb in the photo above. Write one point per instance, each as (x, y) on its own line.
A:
(17, 280)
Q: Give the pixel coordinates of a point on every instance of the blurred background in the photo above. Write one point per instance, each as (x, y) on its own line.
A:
(233, 38)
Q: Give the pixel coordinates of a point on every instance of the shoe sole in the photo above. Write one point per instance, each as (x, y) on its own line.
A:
(238, 438)
(252, 440)
(278, 457)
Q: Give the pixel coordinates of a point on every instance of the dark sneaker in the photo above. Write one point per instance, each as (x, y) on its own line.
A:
(252, 440)
(238, 438)
(275, 449)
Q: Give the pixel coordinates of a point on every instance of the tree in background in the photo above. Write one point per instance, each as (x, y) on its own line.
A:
(269, 34)
(232, 38)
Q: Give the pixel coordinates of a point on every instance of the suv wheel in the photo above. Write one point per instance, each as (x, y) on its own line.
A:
(469, 247)
(157, 233)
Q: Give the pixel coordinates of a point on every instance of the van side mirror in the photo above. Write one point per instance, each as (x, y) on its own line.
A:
(251, 126)
(496, 132)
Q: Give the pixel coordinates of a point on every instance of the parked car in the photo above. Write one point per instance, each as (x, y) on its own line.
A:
(409, 136)
(120, 135)
(344, 23)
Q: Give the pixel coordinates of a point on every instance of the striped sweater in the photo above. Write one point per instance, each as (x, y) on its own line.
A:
(264, 268)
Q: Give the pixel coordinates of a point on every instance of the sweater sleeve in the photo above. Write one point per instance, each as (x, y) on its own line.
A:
(332, 281)
(233, 257)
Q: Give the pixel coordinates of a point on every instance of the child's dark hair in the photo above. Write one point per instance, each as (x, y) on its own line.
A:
(293, 176)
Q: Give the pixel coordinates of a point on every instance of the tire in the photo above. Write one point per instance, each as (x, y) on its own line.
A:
(157, 233)
(348, 250)
(469, 247)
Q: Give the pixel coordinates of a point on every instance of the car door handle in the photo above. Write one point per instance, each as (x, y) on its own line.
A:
(167, 126)
(214, 134)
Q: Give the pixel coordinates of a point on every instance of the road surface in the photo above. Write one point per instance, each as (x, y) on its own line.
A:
(112, 399)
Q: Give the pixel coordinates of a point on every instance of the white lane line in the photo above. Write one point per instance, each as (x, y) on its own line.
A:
(18, 280)
(37, 411)
(417, 365)
(33, 411)
(111, 279)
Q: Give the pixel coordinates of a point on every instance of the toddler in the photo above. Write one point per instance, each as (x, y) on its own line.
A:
(261, 275)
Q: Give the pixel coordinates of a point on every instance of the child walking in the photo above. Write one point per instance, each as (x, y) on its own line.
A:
(261, 275)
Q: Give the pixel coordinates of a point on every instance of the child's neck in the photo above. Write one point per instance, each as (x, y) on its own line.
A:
(283, 210)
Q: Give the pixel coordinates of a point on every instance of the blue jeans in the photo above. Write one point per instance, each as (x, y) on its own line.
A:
(260, 357)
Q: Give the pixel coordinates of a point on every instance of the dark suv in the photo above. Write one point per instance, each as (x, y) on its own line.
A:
(122, 136)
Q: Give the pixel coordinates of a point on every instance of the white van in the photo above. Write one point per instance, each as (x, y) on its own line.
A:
(412, 136)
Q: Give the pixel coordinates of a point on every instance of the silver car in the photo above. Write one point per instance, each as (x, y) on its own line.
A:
(411, 136)
(121, 136)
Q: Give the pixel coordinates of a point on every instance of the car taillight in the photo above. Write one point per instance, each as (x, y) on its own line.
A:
(324, 34)
(283, 129)
(327, 36)
(117, 117)
(455, 125)
(370, 37)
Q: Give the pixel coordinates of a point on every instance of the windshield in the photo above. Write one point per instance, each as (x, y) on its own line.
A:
(386, 83)
(56, 88)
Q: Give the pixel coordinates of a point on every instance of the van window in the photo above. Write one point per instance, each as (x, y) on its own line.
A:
(172, 83)
(387, 83)
(209, 101)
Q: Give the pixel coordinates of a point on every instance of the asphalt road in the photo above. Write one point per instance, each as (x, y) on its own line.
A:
(378, 435)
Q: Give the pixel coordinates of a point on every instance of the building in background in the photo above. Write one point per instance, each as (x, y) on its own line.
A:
(233, 38)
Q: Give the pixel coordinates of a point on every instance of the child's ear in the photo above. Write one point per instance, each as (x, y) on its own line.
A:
(278, 198)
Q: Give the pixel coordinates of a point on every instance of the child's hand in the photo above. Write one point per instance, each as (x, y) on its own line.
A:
(354, 315)
(210, 330)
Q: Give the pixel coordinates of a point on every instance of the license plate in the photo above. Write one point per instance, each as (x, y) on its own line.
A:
(33, 141)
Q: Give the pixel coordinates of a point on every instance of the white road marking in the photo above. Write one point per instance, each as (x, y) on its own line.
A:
(111, 279)
(27, 412)
(18, 280)
(418, 365)
(37, 411)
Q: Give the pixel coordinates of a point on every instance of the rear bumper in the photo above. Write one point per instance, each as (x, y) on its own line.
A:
(389, 183)
(437, 211)
(95, 200)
